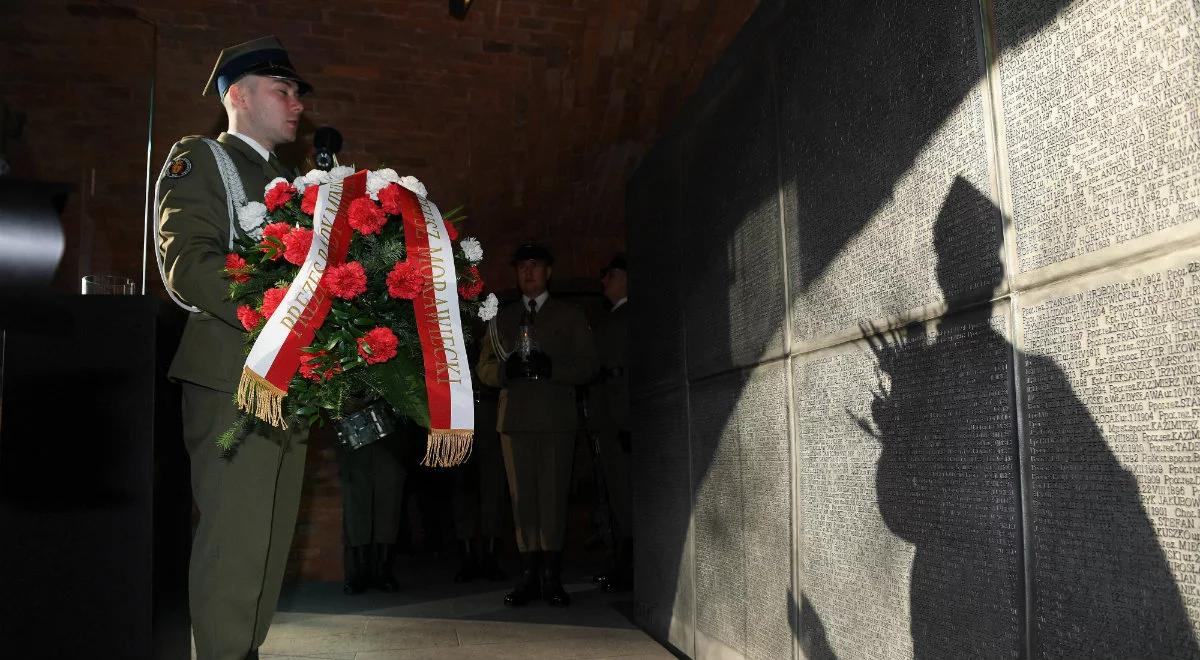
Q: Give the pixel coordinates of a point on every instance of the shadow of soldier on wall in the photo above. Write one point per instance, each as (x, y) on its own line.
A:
(948, 480)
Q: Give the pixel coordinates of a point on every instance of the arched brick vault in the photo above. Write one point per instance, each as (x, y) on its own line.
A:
(532, 113)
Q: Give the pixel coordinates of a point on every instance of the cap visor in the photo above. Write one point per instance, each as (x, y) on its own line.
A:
(276, 71)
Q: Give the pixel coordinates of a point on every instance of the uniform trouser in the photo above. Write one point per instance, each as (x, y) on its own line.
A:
(616, 465)
(372, 490)
(479, 484)
(539, 481)
(248, 503)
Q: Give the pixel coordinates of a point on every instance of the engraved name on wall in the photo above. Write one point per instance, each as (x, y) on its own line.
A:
(925, 445)
(1112, 385)
(875, 133)
(661, 517)
(1102, 123)
(742, 507)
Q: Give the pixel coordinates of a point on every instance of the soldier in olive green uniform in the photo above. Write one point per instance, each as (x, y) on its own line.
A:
(608, 407)
(248, 500)
(537, 418)
(372, 479)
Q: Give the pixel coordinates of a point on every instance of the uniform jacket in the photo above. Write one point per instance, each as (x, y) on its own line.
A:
(193, 241)
(541, 406)
(608, 400)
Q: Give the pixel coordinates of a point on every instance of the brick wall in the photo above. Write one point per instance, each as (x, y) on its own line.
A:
(532, 113)
(317, 547)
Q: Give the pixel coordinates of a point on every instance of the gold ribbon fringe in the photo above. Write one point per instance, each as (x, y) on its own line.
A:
(259, 397)
(448, 447)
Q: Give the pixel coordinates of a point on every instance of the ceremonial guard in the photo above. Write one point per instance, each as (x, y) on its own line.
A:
(537, 350)
(247, 499)
(608, 419)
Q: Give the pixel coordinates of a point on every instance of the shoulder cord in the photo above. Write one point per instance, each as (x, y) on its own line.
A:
(497, 343)
(235, 194)
(235, 197)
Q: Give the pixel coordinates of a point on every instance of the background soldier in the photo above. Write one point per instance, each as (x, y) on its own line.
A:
(537, 417)
(608, 407)
(372, 478)
(248, 500)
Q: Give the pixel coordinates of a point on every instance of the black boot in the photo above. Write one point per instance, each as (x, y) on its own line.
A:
(552, 589)
(384, 555)
(356, 569)
(488, 567)
(529, 586)
(467, 569)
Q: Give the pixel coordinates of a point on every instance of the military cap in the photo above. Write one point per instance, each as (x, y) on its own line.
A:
(264, 56)
(618, 263)
(532, 251)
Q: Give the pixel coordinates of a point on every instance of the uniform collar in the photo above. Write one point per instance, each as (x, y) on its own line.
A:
(541, 300)
(617, 305)
(253, 151)
(258, 148)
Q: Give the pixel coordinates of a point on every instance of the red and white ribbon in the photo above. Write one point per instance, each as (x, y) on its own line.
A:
(447, 374)
(275, 356)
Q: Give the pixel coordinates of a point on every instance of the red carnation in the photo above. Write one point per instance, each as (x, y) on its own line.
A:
(296, 244)
(276, 230)
(271, 300)
(389, 198)
(310, 363)
(281, 194)
(347, 280)
(473, 287)
(366, 217)
(378, 345)
(249, 316)
(235, 268)
(451, 230)
(308, 203)
(404, 281)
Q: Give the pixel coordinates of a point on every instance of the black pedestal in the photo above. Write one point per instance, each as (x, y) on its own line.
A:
(95, 505)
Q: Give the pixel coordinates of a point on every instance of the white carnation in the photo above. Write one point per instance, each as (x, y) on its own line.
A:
(300, 184)
(340, 172)
(379, 179)
(472, 250)
(316, 177)
(413, 184)
(274, 182)
(488, 308)
(251, 217)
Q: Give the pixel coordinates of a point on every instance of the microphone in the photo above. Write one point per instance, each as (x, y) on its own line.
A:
(327, 141)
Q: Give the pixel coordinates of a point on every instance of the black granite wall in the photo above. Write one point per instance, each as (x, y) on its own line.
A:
(917, 336)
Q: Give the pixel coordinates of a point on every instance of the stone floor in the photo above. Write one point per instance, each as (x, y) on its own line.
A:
(434, 618)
